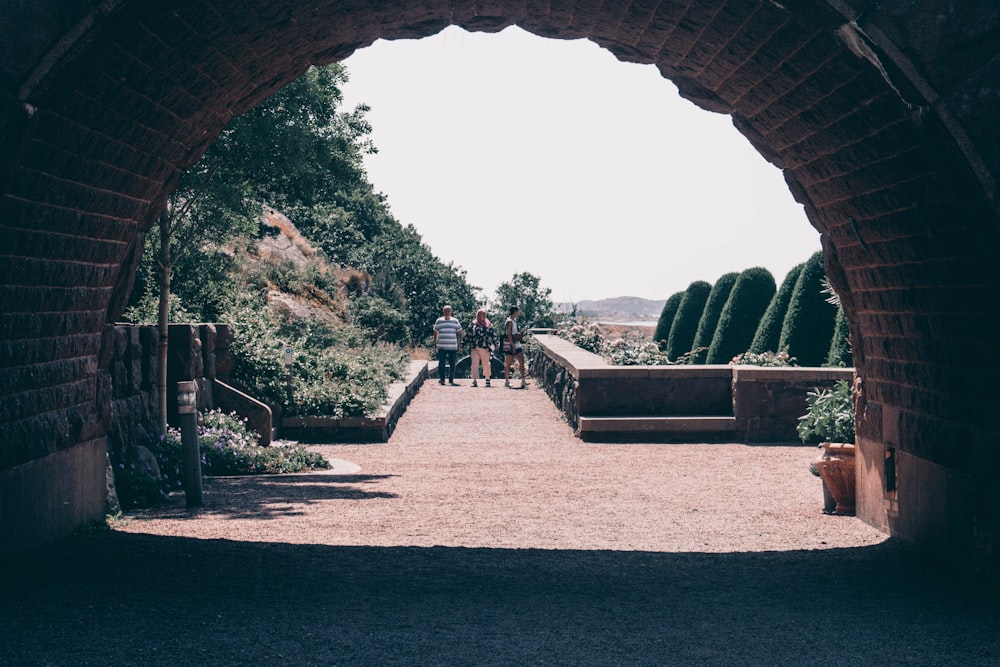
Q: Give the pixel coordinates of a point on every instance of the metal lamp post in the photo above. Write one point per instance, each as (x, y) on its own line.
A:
(187, 394)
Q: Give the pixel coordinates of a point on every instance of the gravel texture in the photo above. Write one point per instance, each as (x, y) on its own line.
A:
(485, 533)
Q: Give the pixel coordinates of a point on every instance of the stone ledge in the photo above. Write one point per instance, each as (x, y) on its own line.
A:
(791, 373)
(660, 430)
(660, 403)
(582, 364)
(377, 428)
(658, 424)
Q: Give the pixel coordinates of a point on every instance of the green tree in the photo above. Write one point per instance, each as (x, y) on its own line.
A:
(525, 291)
(840, 347)
(301, 154)
(710, 316)
(808, 327)
(402, 261)
(753, 291)
(295, 148)
(686, 320)
(662, 331)
(768, 333)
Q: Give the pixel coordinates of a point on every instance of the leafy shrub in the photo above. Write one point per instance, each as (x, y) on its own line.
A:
(768, 333)
(830, 416)
(808, 327)
(662, 331)
(710, 316)
(343, 382)
(228, 447)
(840, 347)
(257, 352)
(686, 320)
(338, 372)
(584, 335)
(738, 322)
(147, 310)
(378, 316)
(632, 349)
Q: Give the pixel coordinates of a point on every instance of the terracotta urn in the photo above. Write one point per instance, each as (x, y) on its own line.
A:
(836, 466)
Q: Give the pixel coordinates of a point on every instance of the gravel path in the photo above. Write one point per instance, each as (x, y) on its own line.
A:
(484, 533)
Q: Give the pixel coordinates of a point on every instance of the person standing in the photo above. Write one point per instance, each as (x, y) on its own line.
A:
(512, 347)
(482, 341)
(447, 340)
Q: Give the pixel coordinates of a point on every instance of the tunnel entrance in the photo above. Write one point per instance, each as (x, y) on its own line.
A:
(881, 122)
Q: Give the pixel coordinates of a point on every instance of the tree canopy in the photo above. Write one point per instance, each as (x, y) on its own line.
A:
(302, 154)
(666, 320)
(686, 320)
(808, 327)
(768, 332)
(738, 321)
(710, 316)
(525, 291)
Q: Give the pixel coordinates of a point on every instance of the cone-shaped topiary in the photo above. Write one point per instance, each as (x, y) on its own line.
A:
(808, 327)
(840, 347)
(769, 330)
(710, 315)
(662, 331)
(686, 320)
(738, 322)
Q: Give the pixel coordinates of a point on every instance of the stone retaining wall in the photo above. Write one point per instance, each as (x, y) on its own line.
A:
(766, 402)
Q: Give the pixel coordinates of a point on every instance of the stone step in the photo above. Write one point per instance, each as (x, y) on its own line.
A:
(668, 428)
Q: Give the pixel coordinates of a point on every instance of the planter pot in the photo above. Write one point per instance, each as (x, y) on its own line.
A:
(836, 466)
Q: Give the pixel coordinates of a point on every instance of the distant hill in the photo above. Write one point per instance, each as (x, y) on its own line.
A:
(622, 308)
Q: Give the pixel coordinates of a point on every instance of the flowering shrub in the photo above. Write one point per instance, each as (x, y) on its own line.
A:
(763, 359)
(229, 447)
(585, 335)
(632, 349)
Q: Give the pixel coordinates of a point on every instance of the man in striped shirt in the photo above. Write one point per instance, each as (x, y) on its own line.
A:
(447, 340)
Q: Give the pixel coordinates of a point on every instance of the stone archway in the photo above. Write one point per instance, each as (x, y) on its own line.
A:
(882, 122)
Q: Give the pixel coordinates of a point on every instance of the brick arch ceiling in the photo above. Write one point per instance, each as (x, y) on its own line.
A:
(878, 119)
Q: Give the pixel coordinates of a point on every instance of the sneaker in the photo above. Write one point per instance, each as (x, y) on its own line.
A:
(475, 384)
(523, 384)
(506, 383)
(440, 381)
(487, 382)
(452, 383)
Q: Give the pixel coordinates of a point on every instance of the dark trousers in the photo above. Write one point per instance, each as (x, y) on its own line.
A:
(451, 357)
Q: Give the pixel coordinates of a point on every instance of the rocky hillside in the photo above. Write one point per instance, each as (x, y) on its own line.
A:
(622, 308)
(291, 253)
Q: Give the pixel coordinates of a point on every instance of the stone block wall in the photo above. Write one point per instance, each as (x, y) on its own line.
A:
(766, 402)
(769, 401)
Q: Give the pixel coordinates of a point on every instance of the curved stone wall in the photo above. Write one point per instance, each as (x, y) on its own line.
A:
(882, 116)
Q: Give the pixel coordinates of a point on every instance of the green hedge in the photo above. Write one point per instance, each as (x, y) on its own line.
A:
(686, 320)
(749, 298)
(808, 327)
(662, 331)
(769, 330)
(710, 315)
(840, 347)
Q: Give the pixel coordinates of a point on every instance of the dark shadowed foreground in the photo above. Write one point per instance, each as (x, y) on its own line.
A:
(485, 534)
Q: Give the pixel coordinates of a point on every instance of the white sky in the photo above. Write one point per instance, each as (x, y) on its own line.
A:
(509, 152)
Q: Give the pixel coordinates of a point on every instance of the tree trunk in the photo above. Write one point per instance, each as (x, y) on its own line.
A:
(164, 315)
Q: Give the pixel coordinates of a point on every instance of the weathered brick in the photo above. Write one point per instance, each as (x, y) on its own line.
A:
(900, 176)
